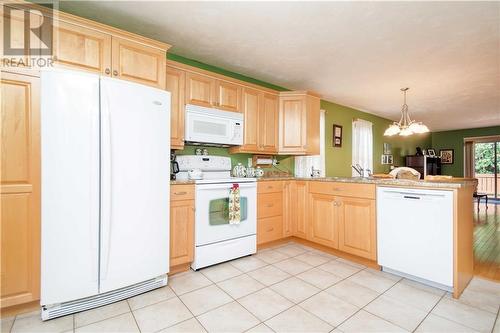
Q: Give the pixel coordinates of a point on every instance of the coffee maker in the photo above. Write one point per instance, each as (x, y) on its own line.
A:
(174, 166)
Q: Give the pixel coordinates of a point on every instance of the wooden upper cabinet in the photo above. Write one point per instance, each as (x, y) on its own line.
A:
(292, 125)
(323, 228)
(357, 227)
(175, 85)
(20, 189)
(250, 107)
(79, 47)
(138, 62)
(268, 124)
(19, 39)
(299, 123)
(200, 89)
(228, 96)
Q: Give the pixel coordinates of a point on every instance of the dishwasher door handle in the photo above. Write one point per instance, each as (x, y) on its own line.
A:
(411, 197)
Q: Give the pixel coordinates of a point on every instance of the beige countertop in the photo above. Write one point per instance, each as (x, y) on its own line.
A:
(442, 183)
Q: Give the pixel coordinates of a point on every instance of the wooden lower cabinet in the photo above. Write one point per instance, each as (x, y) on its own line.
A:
(181, 225)
(357, 227)
(269, 211)
(20, 190)
(323, 220)
(289, 201)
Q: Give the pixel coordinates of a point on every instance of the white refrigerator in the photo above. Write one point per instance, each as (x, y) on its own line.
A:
(105, 147)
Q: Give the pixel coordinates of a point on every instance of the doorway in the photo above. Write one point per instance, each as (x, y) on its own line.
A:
(487, 167)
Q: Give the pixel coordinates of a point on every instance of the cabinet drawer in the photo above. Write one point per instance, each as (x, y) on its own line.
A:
(269, 204)
(269, 229)
(343, 189)
(181, 192)
(269, 186)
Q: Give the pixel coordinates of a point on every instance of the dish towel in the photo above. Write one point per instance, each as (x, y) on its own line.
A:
(234, 205)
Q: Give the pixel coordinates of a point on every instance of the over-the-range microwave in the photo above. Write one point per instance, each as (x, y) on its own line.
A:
(210, 126)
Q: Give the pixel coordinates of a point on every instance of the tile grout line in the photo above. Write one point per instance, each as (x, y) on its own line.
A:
(133, 316)
(428, 313)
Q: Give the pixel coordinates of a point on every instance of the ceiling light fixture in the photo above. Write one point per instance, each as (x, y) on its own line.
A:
(405, 126)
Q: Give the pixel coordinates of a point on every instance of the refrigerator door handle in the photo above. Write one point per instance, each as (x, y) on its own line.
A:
(106, 183)
(94, 207)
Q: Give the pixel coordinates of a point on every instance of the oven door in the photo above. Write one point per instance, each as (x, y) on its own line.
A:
(212, 208)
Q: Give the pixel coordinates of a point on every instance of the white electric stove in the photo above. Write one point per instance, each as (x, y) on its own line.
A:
(215, 239)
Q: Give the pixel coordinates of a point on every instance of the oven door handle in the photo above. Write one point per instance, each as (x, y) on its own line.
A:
(222, 186)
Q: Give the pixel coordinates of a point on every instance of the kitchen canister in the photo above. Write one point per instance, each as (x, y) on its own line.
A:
(239, 171)
(259, 172)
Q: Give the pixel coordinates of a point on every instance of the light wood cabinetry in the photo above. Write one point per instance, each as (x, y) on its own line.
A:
(89, 46)
(289, 208)
(181, 224)
(250, 103)
(357, 227)
(301, 209)
(200, 90)
(228, 96)
(323, 223)
(138, 62)
(20, 189)
(268, 124)
(82, 48)
(269, 211)
(298, 123)
(176, 85)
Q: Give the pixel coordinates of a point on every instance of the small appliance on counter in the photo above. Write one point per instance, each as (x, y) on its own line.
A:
(217, 237)
(174, 166)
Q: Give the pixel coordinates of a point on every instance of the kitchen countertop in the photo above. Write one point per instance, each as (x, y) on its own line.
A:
(442, 183)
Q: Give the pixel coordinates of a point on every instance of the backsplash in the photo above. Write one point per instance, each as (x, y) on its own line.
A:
(286, 163)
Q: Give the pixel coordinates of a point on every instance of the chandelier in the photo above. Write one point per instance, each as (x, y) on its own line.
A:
(405, 126)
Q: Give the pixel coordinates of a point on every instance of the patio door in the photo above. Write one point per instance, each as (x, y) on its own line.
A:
(487, 167)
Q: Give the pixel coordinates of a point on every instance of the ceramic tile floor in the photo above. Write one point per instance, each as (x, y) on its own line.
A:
(288, 288)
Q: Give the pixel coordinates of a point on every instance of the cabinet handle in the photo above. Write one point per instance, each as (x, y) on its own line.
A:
(270, 187)
(54, 58)
(115, 72)
(270, 229)
(336, 189)
(270, 205)
(107, 71)
(180, 193)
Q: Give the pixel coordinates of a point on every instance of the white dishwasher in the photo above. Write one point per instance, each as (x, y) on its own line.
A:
(415, 234)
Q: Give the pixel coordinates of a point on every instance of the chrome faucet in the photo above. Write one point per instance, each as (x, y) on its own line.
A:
(358, 169)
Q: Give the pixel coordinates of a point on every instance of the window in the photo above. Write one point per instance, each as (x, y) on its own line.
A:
(362, 145)
(305, 164)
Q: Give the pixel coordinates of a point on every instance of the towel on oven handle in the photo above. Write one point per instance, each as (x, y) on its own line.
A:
(234, 205)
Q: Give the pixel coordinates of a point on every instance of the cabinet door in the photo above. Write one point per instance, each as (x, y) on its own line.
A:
(269, 229)
(292, 125)
(20, 190)
(200, 90)
(301, 209)
(357, 227)
(289, 211)
(82, 48)
(176, 85)
(268, 124)
(228, 96)
(138, 63)
(251, 120)
(181, 232)
(14, 20)
(323, 217)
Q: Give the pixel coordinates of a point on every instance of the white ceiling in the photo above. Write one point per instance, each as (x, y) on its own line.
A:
(353, 53)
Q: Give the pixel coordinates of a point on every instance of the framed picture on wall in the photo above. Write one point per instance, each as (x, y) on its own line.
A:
(446, 156)
(431, 152)
(337, 135)
(387, 159)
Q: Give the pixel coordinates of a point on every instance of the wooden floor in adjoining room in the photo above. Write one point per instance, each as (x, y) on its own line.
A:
(487, 241)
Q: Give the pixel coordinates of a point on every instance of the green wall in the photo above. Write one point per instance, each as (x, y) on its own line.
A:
(339, 160)
(455, 140)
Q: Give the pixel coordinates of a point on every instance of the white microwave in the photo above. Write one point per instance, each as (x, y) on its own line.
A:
(213, 127)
